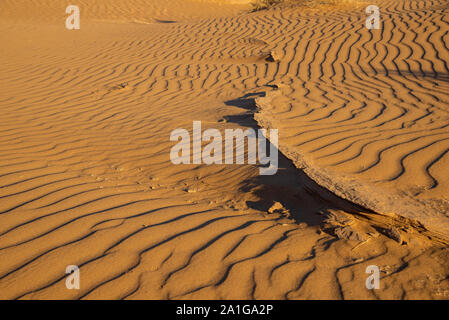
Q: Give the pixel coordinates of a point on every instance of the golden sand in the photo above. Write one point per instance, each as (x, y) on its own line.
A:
(86, 178)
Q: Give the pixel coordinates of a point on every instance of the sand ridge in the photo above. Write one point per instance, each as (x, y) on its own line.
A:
(366, 112)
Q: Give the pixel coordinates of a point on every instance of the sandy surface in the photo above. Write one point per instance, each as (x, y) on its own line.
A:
(86, 178)
(366, 114)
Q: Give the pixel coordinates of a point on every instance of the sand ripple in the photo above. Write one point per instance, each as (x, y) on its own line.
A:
(85, 176)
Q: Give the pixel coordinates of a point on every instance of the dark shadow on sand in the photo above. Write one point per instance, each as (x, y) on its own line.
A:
(417, 74)
(165, 21)
(306, 200)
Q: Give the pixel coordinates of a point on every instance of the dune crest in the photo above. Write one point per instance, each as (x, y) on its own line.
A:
(365, 112)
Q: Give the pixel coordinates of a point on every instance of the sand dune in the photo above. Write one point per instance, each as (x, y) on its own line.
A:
(366, 112)
(86, 179)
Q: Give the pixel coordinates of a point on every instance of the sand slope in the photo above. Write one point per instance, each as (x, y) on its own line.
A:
(85, 175)
(366, 112)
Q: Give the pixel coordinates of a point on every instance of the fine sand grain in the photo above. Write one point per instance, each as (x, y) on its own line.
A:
(85, 171)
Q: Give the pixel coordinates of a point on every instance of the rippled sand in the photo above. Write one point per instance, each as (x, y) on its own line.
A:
(86, 178)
